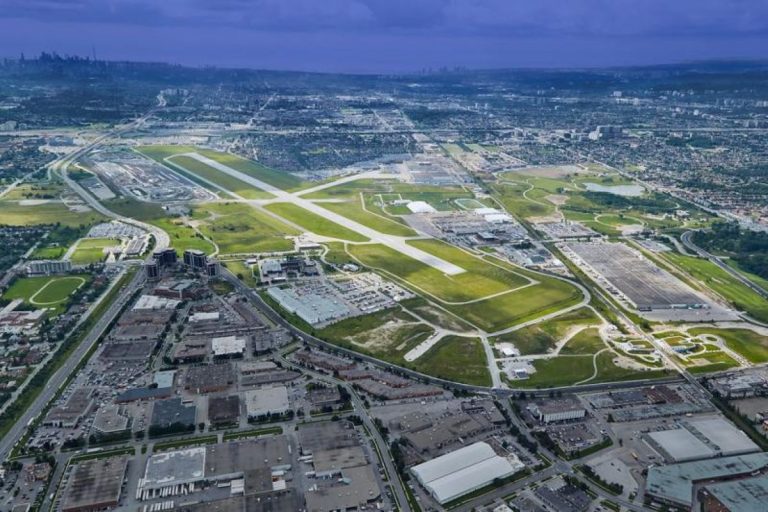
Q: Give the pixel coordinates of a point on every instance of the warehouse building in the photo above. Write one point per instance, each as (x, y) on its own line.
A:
(266, 401)
(701, 439)
(674, 483)
(94, 485)
(462, 471)
(558, 410)
(226, 347)
(748, 495)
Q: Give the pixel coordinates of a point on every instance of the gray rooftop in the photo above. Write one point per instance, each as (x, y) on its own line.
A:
(749, 495)
(674, 482)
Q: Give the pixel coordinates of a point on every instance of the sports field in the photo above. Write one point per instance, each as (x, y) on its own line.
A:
(91, 250)
(46, 291)
(313, 222)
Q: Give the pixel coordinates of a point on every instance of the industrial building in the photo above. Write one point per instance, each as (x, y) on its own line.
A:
(748, 495)
(315, 309)
(172, 412)
(70, 413)
(228, 347)
(673, 483)
(253, 463)
(462, 471)
(558, 410)
(94, 485)
(266, 401)
(701, 439)
(224, 410)
(109, 420)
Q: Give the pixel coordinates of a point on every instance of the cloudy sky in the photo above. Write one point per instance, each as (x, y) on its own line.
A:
(389, 35)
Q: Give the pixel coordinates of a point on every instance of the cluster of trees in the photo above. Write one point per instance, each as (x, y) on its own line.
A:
(747, 248)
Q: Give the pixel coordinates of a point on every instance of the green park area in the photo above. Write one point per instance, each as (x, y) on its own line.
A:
(91, 250)
(751, 345)
(721, 282)
(46, 291)
(568, 370)
(543, 337)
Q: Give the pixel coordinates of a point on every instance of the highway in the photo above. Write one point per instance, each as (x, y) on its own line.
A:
(66, 369)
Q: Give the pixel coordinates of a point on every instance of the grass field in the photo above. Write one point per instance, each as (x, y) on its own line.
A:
(313, 222)
(730, 288)
(457, 359)
(542, 337)
(749, 344)
(189, 165)
(352, 209)
(91, 250)
(242, 271)
(569, 370)
(48, 253)
(279, 179)
(587, 341)
(46, 291)
(14, 214)
(240, 228)
(481, 280)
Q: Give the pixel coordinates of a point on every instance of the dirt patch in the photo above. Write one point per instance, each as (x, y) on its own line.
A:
(381, 338)
(557, 199)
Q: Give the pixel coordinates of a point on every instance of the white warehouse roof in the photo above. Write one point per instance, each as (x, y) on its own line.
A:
(420, 207)
(227, 345)
(462, 471)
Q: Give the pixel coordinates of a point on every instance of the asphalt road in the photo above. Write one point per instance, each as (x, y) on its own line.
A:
(60, 376)
(381, 444)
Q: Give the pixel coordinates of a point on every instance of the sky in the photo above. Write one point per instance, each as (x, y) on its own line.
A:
(372, 36)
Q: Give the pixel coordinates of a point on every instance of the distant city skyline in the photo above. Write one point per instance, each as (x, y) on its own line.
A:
(389, 36)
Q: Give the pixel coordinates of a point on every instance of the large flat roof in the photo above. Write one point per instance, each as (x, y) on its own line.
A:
(674, 482)
(456, 473)
(748, 495)
(679, 445)
(175, 467)
(95, 484)
(722, 433)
